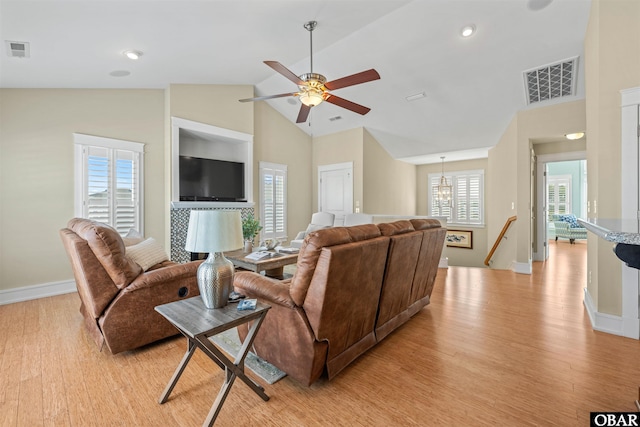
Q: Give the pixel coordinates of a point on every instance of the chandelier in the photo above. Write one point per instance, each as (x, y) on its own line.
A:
(444, 189)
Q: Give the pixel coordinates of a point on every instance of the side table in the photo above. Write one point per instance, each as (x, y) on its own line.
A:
(197, 324)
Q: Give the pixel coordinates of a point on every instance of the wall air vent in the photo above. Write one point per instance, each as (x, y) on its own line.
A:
(17, 49)
(551, 81)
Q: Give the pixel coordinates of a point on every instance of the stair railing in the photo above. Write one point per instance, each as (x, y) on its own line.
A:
(487, 260)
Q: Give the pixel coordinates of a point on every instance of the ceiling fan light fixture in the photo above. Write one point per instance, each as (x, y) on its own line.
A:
(313, 88)
(311, 97)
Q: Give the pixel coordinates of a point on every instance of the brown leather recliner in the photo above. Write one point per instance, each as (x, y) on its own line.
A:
(324, 317)
(117, 297)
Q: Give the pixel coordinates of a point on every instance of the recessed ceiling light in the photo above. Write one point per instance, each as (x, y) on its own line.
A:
(132, 54)
(536, 5)
(468, 30)
(573, 136)
(119, 73)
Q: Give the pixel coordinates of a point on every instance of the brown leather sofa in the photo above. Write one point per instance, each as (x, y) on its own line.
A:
(117, 296)
(352, 287)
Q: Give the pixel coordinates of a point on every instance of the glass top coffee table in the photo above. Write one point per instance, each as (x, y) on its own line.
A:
(273, 265)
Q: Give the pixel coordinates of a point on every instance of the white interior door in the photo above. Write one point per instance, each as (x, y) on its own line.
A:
(335, 190)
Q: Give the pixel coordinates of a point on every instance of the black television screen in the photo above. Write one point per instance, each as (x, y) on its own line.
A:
(211, 180)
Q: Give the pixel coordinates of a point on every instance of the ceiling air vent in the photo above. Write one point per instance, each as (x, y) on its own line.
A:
(17, 49)
(551, 81)
(333, 119)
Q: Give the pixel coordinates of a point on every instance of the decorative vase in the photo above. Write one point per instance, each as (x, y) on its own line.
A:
(248, 246)
(215, 280)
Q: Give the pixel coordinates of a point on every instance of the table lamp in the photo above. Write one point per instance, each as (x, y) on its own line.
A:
(214, 232)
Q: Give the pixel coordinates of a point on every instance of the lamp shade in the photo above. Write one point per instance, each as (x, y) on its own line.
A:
(214, 231)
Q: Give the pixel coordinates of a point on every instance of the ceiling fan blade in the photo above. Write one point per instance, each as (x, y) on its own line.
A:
(262, 98)
(354, 79)
(284, 71)
(303, 114)
(341, 102)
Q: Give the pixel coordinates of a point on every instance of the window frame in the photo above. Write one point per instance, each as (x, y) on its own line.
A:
(82, 143)
(557, 181)
(279, 169)
(433, 179)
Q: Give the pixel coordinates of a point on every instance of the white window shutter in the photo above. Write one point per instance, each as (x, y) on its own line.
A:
(475, 199)
(273, 185)
(467, 204)
(461, 198)
(127, 191)
(280, 193)
(97, 199)
(268, 215)
(109, 181)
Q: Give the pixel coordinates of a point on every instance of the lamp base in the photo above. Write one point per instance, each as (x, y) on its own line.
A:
(215, 280)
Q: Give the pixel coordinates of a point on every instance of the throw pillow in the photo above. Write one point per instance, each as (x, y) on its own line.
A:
(571, 219)
(133, 237)
(147, 253)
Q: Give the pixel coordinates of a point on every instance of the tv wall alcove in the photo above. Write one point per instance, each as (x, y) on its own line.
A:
(209, 144)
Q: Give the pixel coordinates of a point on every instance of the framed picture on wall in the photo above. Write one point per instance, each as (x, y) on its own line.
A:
(459, 239)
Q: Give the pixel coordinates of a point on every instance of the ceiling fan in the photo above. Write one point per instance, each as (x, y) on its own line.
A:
(314, 88)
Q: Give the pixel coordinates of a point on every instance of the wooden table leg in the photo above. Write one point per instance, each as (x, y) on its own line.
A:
(276, 273)
(236, 368)
(199, 338)
(191, 348)
(233, 369)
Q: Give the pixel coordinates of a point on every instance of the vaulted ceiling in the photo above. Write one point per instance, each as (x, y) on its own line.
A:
(472, 86)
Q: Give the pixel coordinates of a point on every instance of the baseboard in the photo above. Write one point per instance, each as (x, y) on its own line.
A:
(444, 262)
(26, 293)
(521, 267)
(609, 323)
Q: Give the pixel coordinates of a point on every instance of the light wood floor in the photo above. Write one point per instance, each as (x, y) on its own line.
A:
(493, 348)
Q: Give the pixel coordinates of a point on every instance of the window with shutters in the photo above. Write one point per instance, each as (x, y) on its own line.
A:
(108, 181)
(273, 200)
(467, 201)
(559, 195)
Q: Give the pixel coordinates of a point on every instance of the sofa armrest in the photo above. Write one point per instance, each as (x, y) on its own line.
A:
(300, 235)
(171, 273)
(254, 285)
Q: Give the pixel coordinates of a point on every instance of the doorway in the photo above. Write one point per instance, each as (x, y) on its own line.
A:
(335, 190)
(561, 181)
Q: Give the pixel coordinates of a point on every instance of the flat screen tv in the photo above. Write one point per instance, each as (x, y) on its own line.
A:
(211, 180)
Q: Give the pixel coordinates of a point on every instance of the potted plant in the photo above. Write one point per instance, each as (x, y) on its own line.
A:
(250, 229)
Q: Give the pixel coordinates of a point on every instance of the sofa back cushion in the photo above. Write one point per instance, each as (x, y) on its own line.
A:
(342, 299)
(428, 260)
(95, 287)
(396, 227)
(401, 263)
(108, 248)
(312, 247)
(425, 223)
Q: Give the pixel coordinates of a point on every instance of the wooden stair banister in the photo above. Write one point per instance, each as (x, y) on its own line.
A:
(487, 260)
